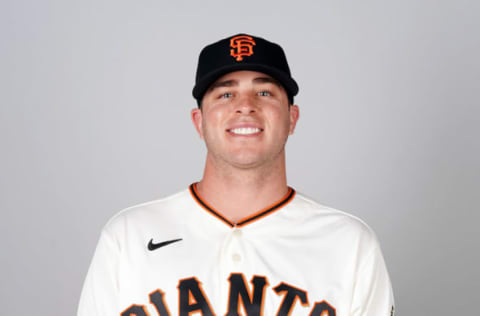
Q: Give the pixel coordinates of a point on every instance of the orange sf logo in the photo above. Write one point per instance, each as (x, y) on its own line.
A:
(241, 45)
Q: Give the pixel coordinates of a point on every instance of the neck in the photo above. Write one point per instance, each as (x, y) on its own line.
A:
(237, 193)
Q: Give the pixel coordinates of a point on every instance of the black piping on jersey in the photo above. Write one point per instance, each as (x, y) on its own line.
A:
(208, 208)
(287, 198)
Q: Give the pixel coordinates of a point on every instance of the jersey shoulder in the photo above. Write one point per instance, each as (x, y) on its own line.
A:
(332, 220)
(166, 209)
(314, 208)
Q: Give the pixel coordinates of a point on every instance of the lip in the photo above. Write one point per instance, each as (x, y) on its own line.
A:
(244, 125)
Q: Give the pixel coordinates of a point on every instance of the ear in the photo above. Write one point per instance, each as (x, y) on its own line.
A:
(196, 115)
(294, 116)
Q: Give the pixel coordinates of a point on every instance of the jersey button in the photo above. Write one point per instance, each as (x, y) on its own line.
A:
(236, 257)
(237, 232)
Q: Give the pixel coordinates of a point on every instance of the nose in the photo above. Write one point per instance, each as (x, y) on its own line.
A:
(246, 105)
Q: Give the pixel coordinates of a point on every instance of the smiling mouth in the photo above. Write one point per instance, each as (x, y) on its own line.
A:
(245, 130)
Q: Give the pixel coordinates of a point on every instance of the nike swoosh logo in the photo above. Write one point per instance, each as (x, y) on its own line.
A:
(152, 246)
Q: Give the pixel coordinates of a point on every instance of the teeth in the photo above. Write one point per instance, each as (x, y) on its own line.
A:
(245, 130)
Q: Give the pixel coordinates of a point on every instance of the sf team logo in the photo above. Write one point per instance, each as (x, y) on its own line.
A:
(241, 45)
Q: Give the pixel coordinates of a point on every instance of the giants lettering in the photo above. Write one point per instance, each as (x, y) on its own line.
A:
(252, 303)
(290, 297)
(135, 310)
(192, 299)
(156, 298)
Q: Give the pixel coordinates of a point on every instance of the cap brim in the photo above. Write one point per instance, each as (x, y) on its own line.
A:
(287, 82)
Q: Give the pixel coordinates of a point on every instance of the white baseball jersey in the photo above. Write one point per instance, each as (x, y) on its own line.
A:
(179, 256)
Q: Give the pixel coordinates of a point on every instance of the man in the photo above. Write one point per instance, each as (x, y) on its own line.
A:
(240, 241)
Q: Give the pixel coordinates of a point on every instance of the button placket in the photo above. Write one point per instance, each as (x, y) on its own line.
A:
(236, 256)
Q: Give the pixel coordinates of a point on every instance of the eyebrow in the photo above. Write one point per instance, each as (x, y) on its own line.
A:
(232, 83)
(266, 80)
(225, 83)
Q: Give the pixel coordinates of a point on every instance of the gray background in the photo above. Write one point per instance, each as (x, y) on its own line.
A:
(95, 100)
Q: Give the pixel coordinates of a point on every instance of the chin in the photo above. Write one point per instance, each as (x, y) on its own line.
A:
(247, 161)
(246, 165)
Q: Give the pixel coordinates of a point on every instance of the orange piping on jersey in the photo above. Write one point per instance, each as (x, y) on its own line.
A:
(262, 213)
(204, 205)
(268, 210)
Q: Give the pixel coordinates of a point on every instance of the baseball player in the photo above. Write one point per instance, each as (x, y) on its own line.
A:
(240, 241)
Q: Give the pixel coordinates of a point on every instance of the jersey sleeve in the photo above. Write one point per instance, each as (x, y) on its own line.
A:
(100, 290)
(373, 294)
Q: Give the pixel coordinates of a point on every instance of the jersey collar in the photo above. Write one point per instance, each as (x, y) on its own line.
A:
(262, 213)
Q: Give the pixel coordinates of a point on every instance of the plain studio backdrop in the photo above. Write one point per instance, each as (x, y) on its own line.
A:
(95, 101)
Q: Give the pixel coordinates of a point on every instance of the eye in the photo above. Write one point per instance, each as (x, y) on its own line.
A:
(264, 93)
(226, 95)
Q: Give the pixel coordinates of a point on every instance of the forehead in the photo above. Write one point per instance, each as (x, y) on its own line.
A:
(243, 75)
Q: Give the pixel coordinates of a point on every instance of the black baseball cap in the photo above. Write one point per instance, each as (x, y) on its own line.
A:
(242, 52)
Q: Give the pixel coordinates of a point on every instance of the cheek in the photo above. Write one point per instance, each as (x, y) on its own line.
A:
(212, 122)
(280, 121)
(218, 115)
